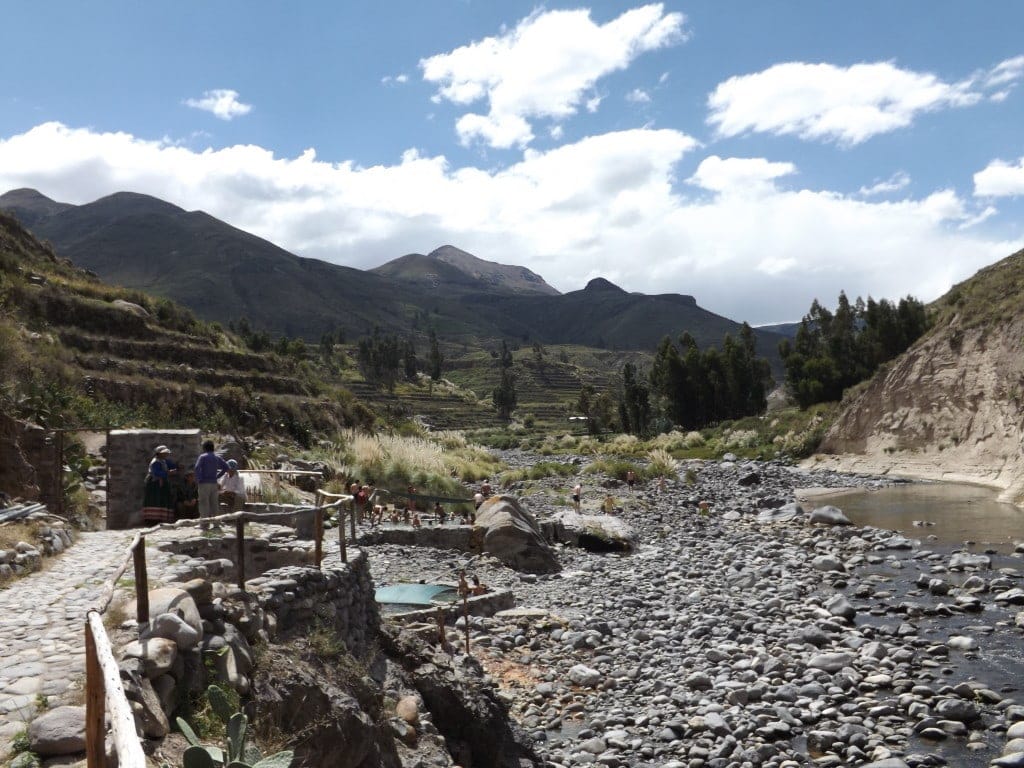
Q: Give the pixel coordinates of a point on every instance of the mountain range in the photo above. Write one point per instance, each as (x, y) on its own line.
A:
(223, 273)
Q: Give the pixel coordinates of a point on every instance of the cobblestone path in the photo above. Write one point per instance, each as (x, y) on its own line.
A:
(42, 626)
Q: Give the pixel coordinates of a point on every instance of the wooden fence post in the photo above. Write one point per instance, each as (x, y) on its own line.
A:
(341, 533)
(95, 707)
(60, 472)
(318, 533)
(104, 691)
(352, 522)
(141, 583)
(240, 542)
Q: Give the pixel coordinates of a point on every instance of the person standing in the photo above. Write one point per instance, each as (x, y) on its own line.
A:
(630, 479)
(232, 487)
(157, 492)
(577, 493)
(209, 467)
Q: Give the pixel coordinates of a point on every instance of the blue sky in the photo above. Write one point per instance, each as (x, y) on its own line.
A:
(756, 155)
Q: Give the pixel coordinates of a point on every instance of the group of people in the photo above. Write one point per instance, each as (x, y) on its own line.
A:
(199, 491)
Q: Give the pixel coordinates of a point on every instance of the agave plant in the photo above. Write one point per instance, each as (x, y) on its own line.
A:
(237, 752)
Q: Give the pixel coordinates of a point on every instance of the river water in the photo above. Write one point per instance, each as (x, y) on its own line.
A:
(941, 515)
(944, 517)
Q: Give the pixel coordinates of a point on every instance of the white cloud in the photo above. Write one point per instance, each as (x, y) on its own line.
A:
(740, 175)
(638, 96)
(847, 105)
(1004, 73)
(1000, 179)
(545, 67)
(221, 102)
(896, 182)
(395, 79)
(606, 205)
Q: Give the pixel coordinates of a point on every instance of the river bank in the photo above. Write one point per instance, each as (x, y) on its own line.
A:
(949, 466)
(744, 637)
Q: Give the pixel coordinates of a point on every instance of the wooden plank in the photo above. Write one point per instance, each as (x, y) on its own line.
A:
(342, 550)
(126, 741)
(240, 556)
(95, 708)
(318, 533)
(141, 582)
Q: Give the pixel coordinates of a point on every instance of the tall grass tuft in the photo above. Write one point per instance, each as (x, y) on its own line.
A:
(662, 464)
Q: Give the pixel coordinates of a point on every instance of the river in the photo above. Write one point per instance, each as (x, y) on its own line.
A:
(946, 517)
(941, 515)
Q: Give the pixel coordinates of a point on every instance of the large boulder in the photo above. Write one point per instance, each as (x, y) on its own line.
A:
(176, 601)
(600, 533)
(510, 533)
(59, 731)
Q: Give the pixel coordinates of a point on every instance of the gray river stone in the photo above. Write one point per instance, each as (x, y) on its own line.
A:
(829, 515)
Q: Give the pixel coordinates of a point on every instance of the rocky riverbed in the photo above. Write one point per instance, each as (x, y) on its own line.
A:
(749, 636)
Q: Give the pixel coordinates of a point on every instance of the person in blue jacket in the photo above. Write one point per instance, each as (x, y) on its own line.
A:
(209, 467)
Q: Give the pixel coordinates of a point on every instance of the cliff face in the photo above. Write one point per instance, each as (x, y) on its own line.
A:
(950, 408)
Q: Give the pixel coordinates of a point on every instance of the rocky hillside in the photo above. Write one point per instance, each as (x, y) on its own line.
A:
(951, 406)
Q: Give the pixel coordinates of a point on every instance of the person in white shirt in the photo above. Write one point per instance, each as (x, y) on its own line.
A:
(232, 488)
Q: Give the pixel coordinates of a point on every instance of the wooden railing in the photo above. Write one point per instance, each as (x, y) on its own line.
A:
(104, 693)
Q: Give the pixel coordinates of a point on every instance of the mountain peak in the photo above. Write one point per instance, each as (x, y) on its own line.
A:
(501, 278)
(30, 205)
(602, 285)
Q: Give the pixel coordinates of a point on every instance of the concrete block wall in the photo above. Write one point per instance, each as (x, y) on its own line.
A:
(128, 454)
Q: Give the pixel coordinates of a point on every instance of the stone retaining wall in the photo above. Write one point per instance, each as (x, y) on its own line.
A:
(128, 455)
(481, 605)
(459, 537)
(276, 514)
(340, 596)
(262, 553)
(29, 464)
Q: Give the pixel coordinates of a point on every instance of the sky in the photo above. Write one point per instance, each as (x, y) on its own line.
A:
(754, 155)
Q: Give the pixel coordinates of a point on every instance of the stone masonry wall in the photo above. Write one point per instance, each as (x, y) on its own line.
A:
(128, 454)
(459, 537)
(262, 553)
(341, 595)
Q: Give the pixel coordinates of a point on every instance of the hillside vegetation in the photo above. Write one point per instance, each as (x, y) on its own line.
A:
(77, 352)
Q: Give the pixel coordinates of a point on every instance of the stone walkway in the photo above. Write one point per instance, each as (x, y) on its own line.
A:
(42, 626)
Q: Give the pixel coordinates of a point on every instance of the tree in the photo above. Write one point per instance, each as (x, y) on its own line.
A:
(380, 358)
(833, 352)
(694, 389)
(538, 352)
(435, 360)
(504, 395)
(409, 361)
(505, 356)
(635, 406)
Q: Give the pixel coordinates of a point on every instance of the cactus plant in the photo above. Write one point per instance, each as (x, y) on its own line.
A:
(238, 753)
(220, 703)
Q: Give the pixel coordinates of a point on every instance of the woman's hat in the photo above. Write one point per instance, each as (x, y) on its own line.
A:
(161, 449)
(232, 464)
